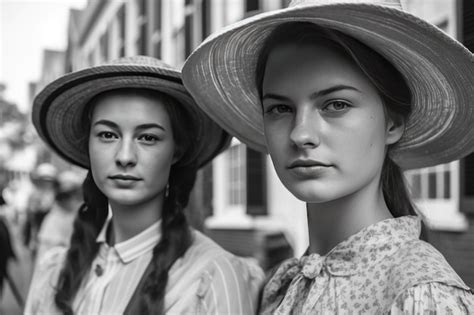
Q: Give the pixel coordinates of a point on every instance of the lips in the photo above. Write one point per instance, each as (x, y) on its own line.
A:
(307, 164)
(308, 169)
(124, 177)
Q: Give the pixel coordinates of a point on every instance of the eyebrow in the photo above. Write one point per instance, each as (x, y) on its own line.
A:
(315, 94)
(113, 125)
(332, 90)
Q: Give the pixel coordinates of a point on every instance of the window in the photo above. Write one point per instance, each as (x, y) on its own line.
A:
(436, 194)
(256, 183)
(432, 182)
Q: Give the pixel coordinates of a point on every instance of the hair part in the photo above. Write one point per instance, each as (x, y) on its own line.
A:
(388, 81)
(176, 237)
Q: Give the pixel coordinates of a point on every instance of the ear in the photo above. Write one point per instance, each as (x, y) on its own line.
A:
(178, 154)
(394, 129)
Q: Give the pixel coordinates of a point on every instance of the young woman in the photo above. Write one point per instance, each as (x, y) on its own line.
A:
(341, 96)
(134, 127)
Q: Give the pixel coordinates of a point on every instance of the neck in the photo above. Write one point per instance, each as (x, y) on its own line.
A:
(130, 220)
(332, 222)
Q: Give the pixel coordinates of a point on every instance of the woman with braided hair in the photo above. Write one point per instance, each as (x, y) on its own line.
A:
(132, 124)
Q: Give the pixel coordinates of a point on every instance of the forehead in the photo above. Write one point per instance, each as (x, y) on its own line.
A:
(130, 108)
(310, 62)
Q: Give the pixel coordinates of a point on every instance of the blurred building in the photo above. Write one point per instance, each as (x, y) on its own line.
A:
(52, 66)
(445, 193)
(239, 194)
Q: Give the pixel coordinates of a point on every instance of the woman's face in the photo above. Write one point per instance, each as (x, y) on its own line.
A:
(324, 123)
(131, 148)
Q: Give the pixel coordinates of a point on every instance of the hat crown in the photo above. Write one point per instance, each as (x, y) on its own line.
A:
(387, 3)
(141, 61)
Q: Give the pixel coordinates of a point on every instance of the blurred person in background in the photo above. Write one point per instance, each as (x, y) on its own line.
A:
(40, 202)
(57, 226)
(344, 95)
(7, 253)
(3, 184)
(133, 125)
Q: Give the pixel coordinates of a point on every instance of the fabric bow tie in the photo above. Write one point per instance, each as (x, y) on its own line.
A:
(288, 281)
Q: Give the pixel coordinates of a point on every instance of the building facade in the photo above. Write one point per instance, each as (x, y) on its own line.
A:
(240, 190)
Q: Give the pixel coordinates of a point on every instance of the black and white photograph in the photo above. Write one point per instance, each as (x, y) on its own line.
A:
(236, 157)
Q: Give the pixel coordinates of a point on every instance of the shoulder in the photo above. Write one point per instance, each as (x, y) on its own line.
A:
(42, 289)
(226, 283)
(216, 261)
(51, 262)
(434, 298)
(208, 279)
(419, 265)
(419, 262)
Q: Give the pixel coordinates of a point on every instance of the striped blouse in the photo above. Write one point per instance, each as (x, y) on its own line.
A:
(206, 280)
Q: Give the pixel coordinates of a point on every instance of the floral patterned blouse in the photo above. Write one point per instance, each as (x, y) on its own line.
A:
(382, 269)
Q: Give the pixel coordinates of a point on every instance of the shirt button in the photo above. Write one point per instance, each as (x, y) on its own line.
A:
(99, 271)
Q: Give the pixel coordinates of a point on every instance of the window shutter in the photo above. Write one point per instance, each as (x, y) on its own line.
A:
(467, 164)
(468, 24)
(256, 183)
(252, 5)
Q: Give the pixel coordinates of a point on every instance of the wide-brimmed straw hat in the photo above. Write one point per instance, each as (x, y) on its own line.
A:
(221, 74)
(59, 109)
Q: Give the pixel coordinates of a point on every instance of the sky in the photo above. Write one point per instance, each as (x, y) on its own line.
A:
(27, 27)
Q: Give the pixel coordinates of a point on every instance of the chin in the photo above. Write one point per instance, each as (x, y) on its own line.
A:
(125, 198)
(310, 197)
(312, 192)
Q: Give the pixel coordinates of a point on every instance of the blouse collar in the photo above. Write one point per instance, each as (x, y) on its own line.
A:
(365, 248)
(135, 246)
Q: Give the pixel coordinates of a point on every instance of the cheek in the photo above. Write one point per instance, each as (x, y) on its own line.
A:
(97, 156)
(360, 141)
(275, 146)
(365, 147)
(159, 160)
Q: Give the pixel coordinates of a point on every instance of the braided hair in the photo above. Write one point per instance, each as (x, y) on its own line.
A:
(176, 236)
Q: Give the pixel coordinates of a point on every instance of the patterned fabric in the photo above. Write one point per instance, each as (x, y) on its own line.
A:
(206, 280)
(383, 269)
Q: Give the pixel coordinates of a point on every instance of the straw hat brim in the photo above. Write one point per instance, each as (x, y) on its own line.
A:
(220, 74)
(59, 110)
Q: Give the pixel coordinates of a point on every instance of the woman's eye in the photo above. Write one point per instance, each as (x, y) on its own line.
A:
(336, 106)
(278, 109)
(148, 138)
(106, 135)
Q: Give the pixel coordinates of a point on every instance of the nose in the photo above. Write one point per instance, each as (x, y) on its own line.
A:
(305, 132)
(126, 154)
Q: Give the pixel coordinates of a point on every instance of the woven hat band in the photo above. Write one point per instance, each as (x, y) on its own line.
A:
(386, 3)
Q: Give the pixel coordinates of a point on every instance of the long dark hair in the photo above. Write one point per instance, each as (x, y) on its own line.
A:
(176, 235)
(388, 81)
